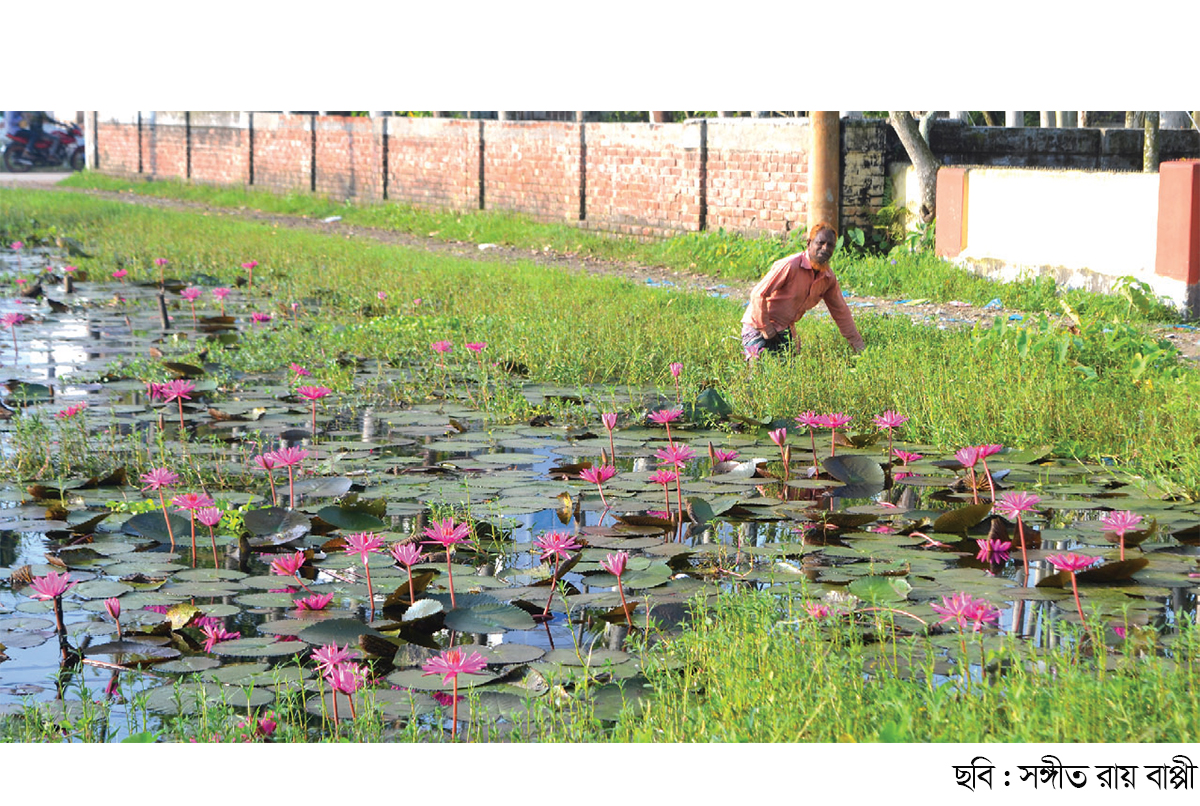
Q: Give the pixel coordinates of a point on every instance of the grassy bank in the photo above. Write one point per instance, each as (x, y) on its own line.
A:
(753, 668)
(1107, 390)
(718, 254)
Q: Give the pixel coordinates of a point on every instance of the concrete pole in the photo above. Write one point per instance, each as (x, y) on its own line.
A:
(1014, 120)
(1047, 120)
(824, 177)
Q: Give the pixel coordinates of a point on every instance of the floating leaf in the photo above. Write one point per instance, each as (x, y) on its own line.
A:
(273, 526)
(192, 698)
(482, 614)
(350, 520)
(881, 589)
(337, 631)
(958, 521)
(152, 526)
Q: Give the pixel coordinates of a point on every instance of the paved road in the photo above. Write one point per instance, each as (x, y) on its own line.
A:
(33, 178)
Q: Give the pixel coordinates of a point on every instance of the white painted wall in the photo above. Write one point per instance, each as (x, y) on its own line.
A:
(1104, 222)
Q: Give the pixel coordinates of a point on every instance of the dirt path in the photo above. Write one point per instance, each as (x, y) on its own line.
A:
(941, 314)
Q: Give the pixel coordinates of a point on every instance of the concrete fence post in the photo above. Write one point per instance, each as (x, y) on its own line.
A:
(1177, 254)
(951, 233)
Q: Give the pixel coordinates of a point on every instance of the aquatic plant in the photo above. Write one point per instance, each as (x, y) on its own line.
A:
(450, 664)
(448, 534)
(158, 479)
(363, 544)
(597, 476)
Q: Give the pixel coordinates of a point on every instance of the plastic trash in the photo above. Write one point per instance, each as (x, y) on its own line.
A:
(331, 219)
(484, 246)
(995, 303)
(1015, 317)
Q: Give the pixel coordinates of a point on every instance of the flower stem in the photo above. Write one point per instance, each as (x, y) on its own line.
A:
(166, 517)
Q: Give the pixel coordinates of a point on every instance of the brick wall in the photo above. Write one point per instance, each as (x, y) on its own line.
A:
(282, 151)
(164, 144)
(118, 132)
(220, 148)
(350, 158)
(533, 168)
(643, 179)
(646, 180)
(757, 176)
(434, 162)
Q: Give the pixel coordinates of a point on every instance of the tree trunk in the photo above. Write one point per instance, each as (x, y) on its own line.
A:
(988, 119)
(1150, 144)
(1135, 120)
(922, 159)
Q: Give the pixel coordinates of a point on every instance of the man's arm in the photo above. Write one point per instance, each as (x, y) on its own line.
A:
(840, 311)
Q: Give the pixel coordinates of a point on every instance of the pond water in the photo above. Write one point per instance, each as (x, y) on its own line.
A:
(864, 530)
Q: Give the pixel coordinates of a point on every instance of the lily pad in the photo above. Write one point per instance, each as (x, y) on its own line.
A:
(192, 698)
(958, 521)
(350, 520)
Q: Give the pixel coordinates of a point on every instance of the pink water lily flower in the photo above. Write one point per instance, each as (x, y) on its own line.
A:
(557, 545)
(676, 455)
(408, 555)
(450, 664)
(51, 585)
(250, 266)
(448, 534)
(816, 609)
(889, 421)
(313, 394)
(363, 544)
(158, 479)
(221, 294)
(963, 608)
(906, 457)
(299, 370)
(664, 416)
(665, 477)
(210, 517)
(317, 601)
(1122, 523)
(258, 317)
(993, 551)
(329, 656)
(70, 411)
(610, 422)
(453, 662)
(1014, 505)
(1073, 563)
(120, 274)
(190, 502)
(833, 422)
(289, 566)
(476, 347)
(214, 635)
(597, 476)
(615, 565)
(191, 293)
(289, 458)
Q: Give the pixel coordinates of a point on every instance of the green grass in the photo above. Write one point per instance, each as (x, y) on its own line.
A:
(751, 667)
(718, 254)
(1088, 396)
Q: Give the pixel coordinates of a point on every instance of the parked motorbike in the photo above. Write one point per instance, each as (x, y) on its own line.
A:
(58, 147)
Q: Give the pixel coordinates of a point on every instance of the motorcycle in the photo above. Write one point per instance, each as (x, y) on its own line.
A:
(57, 147)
